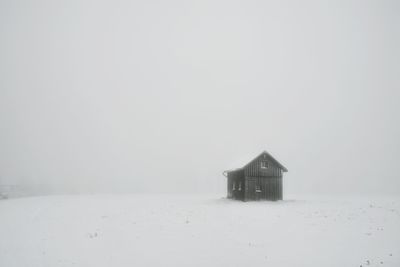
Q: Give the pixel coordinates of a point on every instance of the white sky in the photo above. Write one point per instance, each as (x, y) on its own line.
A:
(161, 96)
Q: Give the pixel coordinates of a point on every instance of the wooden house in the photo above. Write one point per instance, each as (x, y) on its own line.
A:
(261, 178)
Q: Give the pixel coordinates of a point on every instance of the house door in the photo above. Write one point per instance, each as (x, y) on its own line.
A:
(251, 189)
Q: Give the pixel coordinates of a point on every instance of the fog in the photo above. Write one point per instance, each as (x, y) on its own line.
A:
(162, 96)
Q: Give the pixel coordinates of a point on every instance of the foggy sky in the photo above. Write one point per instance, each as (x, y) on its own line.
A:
(162, 96)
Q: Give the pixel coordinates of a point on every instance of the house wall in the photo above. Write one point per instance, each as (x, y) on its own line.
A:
(263, 183)
(236, 185)
(269, 188)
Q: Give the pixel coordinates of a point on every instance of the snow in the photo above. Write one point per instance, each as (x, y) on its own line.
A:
(198, 230)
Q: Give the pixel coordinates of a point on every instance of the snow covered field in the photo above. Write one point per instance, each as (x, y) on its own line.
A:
(182, 230)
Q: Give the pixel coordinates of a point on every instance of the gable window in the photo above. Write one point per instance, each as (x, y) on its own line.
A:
(264, 164)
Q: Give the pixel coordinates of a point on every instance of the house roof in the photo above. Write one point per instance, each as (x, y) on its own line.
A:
(249, 161)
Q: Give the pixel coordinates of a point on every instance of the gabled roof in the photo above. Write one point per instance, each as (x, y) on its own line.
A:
(271, 157)
(262, 153)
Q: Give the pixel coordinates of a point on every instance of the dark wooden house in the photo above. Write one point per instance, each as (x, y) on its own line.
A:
(261, 178)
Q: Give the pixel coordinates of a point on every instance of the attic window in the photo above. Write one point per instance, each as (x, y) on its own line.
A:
(264, 164)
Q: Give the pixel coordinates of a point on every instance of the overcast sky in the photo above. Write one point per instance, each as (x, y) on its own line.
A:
(162, 96)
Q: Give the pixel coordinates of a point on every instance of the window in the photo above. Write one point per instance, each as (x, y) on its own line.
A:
(234, 186)
(240, 186)
(264, 164)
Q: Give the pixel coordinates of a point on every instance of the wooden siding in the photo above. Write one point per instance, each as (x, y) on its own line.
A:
(263, 183)
(258, 188)
(254, 168)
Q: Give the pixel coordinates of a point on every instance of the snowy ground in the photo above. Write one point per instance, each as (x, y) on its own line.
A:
(167, 230)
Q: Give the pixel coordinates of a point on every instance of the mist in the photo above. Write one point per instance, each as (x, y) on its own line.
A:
(162, 96)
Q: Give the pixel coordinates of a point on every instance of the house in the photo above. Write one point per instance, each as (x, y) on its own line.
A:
(261, 178)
